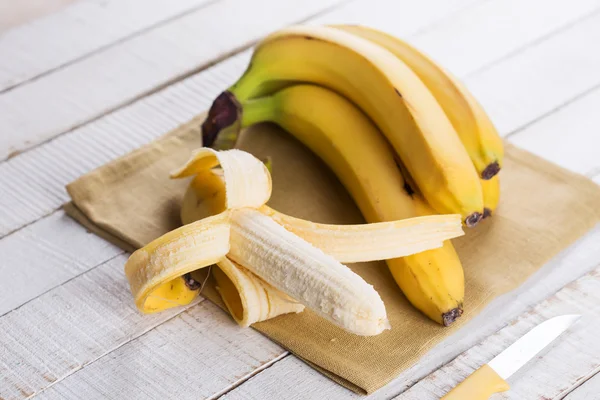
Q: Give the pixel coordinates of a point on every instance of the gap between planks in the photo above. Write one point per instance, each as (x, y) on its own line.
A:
(588, 388)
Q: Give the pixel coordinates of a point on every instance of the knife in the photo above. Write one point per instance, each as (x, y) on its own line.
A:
(491, 377)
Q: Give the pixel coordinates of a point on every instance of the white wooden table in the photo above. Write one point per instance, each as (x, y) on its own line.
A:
(88, 82)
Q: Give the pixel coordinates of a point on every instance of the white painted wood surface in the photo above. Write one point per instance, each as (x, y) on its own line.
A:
(587, 391)
(198, 354)
(112, 77)
(38, 47)
(14, 14)
(69, 327)
(46, 254)
(507, 70)
(534, 83)
(566, 136)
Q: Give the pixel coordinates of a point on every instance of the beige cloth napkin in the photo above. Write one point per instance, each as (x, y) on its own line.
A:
(543, 209)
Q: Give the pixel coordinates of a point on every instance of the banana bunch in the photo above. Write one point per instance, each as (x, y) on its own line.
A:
(404, 136)
(268, 263)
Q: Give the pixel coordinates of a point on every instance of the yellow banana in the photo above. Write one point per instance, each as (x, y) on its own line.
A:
(383, 86)
(476, 131)
(340, 134)
(491, 195)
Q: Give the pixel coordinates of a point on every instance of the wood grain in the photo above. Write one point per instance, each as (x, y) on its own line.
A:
(532, 84)
(589, 390)
(197, 354)
(13, 13)
(396, 17)
(480, 36)
(115, 76)
(45, 255)
(291, 379)
(69, 327)
(86, 26)
(567, 136)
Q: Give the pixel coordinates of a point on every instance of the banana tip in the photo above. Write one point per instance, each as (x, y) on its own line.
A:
(473, 219)
(486, 213)
(449, 317)
(490, 171)
(224, 112)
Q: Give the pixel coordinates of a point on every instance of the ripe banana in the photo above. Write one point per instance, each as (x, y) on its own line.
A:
(476, 131)
(265, 269)
(383, 86)
(491, 195)
(340, 134)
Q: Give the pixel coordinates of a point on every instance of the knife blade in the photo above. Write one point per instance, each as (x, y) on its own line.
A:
(491, 377)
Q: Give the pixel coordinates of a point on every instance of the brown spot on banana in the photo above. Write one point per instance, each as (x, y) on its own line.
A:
(486, 213)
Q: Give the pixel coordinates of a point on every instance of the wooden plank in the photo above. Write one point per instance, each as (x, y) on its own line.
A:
(32, 184)
(69, 327)
(564, 364)
(478, 37)
(532, 84)
(108, 79)
(571, 264)
(567, 136)
(198, 354)
(45, 255)
(587, 390)
(290, 379)
(397, 18)
(33, 49)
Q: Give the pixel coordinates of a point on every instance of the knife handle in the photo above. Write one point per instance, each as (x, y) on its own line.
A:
(480, 385)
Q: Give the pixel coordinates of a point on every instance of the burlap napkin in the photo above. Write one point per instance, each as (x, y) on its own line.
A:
(543, 209)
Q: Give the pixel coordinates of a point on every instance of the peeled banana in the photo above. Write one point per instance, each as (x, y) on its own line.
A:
(476, 131)
(382, 85)
(340, 134)
(265, 269)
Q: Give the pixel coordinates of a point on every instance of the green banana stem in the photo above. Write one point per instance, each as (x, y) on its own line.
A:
(258, 110)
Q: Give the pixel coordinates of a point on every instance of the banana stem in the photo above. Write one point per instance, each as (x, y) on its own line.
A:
(258, 110)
